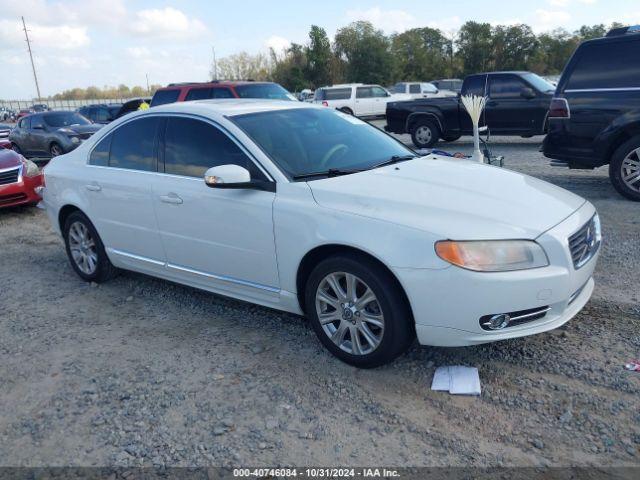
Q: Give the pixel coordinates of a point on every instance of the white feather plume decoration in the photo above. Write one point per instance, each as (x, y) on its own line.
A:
(474, 105)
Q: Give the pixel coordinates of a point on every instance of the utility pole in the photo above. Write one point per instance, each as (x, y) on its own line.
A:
(215, 64)
(33, 66)
(148, 90)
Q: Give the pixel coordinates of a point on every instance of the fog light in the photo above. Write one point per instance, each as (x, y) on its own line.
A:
(497, 322)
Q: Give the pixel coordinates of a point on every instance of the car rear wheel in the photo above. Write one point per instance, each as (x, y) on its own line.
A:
(624, 169)
(425, 133)
(85, 249)
(358, 311)
(55, 150)
(346, 110)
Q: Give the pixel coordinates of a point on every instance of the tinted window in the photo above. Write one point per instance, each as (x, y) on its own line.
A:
(198, 94)
(162, 97)
(505, 86)
(25, 122)
(429, 88)
(263, 90)
(333, 94)
(414, 88)
(192, 147)
(364, 92)
(607, 65)
(475, 85)
(222, 93)
(36, 120)
(399, 88)
(305, 140)
(64, 119)
(102, 115)
(132, 145)
(378, 92)
(100, 154)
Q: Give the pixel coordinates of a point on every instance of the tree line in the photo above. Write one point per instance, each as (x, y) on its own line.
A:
(105, 93)
(361, 53)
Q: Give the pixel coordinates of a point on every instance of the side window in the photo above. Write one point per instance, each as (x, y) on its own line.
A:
(92, 113)
(364, 92)
(505, 86)
(191, 147)
(378, 92)
(100, 154)
(132, 145)
(25, 123)
(101, 115)
(198, 94)
(221, 93)
(414, 88)
(474, 85)
(162, 97)
(336, 93)
(607, 65)
(36, 121)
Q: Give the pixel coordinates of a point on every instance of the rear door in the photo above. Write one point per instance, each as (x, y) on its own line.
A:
(364, 101)
(118, 188)
(380, 98)
(507, 111)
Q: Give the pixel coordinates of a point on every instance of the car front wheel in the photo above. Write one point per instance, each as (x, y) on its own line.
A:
(55, 150)
(624, 169)
(358, 311)
(85, 249)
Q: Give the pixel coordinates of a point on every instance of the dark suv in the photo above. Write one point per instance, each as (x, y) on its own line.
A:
(594, 117)
(183, 92)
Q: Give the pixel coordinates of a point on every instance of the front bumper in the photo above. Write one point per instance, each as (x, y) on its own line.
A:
(20, 193)
(447, 304)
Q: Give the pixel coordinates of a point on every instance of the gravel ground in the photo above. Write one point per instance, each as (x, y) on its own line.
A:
(141, 371)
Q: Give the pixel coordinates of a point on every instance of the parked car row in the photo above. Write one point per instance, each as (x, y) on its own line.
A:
(359, 99)
(421, 90)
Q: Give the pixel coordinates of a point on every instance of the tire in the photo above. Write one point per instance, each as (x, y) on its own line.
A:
(425, 133)
(397, 330)
(346, 110)
(451, 138)
(55, 150)
(625, 162)
(103, 269)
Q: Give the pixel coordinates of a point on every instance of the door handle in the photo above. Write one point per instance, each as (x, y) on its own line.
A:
(93, 187)
(171, 198)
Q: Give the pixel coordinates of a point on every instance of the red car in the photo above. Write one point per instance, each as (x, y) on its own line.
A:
(19, 178)
(183, 92)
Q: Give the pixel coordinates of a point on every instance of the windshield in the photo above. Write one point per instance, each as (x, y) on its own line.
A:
(539, 83)
(272, 91)
(64, 119)
(307, 140)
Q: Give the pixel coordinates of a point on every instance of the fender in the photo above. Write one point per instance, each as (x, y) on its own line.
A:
(431, 113)
(617, 132)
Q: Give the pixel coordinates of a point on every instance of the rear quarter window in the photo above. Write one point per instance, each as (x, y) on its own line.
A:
(162, 97)
(336, 93)
(606, 65)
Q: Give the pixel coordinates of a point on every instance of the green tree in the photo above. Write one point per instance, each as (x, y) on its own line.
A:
(290, 71)
(420, 54)
(474, 44)
(554, 50)
(587, 32)
(318, 57)
(513, 47)
(364, 53)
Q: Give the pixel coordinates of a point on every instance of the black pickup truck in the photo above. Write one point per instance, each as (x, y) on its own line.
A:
(517, 104)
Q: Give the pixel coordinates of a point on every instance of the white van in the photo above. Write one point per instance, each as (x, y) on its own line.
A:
(358, 99)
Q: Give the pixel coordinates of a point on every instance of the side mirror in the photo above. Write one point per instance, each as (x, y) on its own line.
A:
(235, 177)
(527, 93)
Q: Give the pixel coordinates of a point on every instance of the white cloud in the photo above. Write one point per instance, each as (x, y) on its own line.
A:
(387, 20)
(278, 44)
(62, 37)
(138, 52)
(70, 61)
(507, 22)
(448, 24)
(558, 3)
(549, 19)
(165, 23)
(76, 12)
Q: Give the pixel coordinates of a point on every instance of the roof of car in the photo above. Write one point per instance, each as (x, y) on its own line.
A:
(232, 106)
(227, 83)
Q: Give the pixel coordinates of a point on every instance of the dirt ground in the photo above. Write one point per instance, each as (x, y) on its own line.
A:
(140, 371)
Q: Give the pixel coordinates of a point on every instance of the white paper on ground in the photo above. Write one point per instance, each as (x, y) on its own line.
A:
(457, 380)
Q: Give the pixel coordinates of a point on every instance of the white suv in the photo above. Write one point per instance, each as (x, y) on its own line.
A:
(358, 99)
(421, 90)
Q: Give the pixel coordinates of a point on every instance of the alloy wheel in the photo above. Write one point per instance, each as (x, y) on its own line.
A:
(83, 248)
(424, 134)
(56, 150)
(630, 170)
(349, 313)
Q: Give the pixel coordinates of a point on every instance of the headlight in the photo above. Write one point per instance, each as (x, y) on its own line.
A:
(75, 139)
(30, 169)
(493, 255)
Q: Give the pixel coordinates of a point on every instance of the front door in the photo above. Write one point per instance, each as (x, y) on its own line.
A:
(220, 239)
(507, 111)
(364, 102)
(380, 97)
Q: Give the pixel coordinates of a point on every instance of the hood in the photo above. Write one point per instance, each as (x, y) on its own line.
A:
(451, 198)
(81, 129)
(9, 158)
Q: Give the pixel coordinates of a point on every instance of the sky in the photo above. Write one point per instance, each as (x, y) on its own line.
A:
(79, 43)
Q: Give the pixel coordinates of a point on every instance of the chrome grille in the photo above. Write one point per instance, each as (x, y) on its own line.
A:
(4, 133)
(585, 242)
(9, 176)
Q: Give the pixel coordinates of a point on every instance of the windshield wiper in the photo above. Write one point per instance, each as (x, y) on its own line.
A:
(394, 159)
(332, 172)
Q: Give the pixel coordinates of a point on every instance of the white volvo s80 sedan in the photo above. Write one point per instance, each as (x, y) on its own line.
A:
(308, 210)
